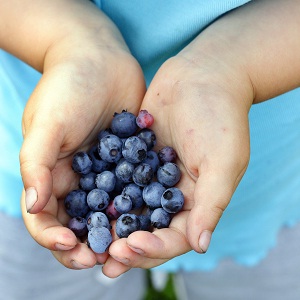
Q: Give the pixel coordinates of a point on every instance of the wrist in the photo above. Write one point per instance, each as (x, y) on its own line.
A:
(219, 69)
(86, 44)
(257, 42)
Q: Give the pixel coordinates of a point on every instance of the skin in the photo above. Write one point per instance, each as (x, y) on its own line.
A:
(83, 59)
(208, 88)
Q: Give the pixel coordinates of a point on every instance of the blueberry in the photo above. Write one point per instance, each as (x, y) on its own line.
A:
(152, 194)
(144, 119)
(167, 154)
(134, 149)
(76, 203)
(89, 214)
(123, 124)
(97, 199)
(124, 170)
(168, 174)
(110, 148)
(152, 160)
(81, 163)
(106, 181)
(99, 239)
(126, 224)
(79, 226)
(87, 182)
(145, 222)
(98, 164)
(160, 218)
(122, 203)
(172, 200)
(119, 186)
(124, 167)
(149, 211)
(97, 219)
(148, 136)
(111, 211)
(142, 174)
(104, 132)
(135, 193)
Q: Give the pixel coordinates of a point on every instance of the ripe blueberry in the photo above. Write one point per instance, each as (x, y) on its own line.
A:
(99, 239)
(134, 150)
(148, 136)
(172, 200)
(106, 181)
(123, 124)
(87, 182)
(98, 164)
(78, 225)
(142, 175)
(135, 193)
(124, 170)
(167, 154)
(160, 218)
(152, 160)
(122, 203)
(76, 203)
(81, 163)
(168, 174)
(97, 219)
(97, 199)
(126, 224)
(110, 148)
(152, 194)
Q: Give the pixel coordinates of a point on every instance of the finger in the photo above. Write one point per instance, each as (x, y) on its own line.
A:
(113, 268)
(102, 257)
(45, 228)
(39, 153)
(47, 123)
(80, 257)
(160, 243)
(144, 249)
(128, 257)
(213, 192)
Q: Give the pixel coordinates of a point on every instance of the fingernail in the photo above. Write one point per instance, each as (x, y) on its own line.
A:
(204, 240)
(124, 261)
(59, 246)
(137, 250)
(31, 198)
(78, 266)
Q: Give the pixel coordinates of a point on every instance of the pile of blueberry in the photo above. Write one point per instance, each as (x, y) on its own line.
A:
(122, 178)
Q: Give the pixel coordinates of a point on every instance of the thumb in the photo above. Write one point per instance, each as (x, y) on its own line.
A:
(213, 192)
(38, 156)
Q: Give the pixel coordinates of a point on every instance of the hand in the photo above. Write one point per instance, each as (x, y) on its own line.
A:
(83, 84)
(200, 108)
(200, 100)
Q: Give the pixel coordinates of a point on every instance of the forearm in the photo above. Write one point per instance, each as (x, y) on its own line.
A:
(257, 46)
(43, 32)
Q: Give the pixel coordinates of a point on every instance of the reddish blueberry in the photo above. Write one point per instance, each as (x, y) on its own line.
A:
(144, 119)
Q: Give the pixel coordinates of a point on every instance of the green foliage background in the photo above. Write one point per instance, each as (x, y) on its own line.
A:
(168, 293)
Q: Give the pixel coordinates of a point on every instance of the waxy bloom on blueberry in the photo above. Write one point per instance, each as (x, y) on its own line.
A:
(120, 176)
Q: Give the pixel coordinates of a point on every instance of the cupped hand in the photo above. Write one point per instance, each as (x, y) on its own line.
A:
(84, 82)
(201, 109)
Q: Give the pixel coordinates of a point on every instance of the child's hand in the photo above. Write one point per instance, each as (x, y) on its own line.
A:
(200, 100)
(86, 78)
(205, 120)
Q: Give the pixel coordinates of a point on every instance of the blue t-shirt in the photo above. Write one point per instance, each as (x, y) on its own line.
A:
(268, 196)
